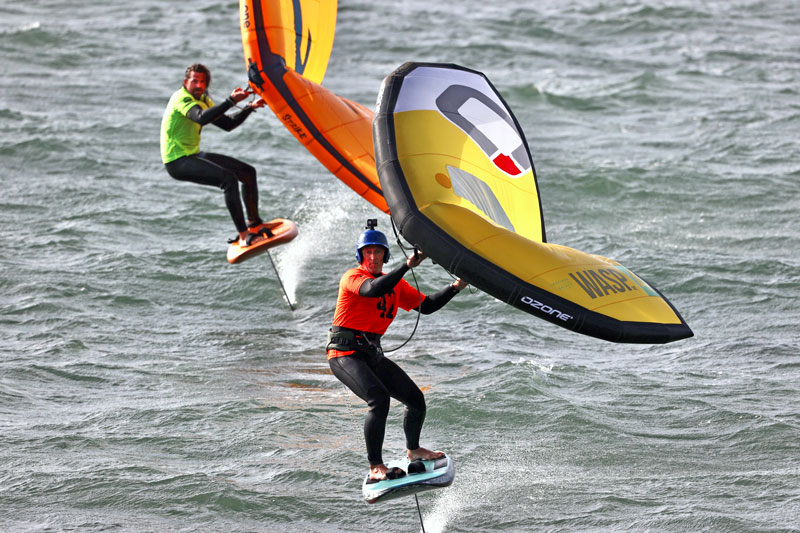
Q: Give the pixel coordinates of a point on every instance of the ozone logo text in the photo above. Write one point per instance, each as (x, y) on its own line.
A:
(546, 309)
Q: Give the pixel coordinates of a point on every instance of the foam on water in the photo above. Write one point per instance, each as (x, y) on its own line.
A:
(145, 384)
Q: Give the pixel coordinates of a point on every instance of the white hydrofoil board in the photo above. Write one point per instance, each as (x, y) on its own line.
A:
(438, 473)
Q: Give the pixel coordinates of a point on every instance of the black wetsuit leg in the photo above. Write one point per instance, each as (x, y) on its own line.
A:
(375, 379)
(225, 172)
(246, 174)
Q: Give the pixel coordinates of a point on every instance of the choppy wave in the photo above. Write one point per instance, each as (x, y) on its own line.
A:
(145, 384)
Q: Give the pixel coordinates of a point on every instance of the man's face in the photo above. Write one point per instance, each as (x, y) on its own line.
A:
(196, 84)
(372, 258)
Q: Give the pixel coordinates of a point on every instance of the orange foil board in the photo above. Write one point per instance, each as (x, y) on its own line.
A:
(283, 231)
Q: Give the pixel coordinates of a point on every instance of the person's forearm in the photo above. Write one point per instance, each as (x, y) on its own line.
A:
(375, 288)
(231, 123)
(434, 302)
(207, 116)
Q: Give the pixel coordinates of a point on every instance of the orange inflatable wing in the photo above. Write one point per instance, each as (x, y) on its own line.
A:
(286, 49)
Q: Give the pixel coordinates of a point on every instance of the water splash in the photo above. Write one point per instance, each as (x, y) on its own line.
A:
(470, 488)
(319, 221)
(488, 475)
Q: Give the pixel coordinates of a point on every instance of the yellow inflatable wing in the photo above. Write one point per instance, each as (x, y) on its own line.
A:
(458, 177)
(286, 49)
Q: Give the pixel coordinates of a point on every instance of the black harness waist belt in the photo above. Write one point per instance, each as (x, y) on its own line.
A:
(346, 339)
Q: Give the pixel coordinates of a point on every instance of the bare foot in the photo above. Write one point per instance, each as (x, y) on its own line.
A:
(377, 471)
(424, 453)
(254, 239)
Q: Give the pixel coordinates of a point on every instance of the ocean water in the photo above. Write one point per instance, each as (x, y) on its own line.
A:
(147, 385)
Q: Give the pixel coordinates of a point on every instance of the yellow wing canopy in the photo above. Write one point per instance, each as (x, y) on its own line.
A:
(286, 49)
(458, 177)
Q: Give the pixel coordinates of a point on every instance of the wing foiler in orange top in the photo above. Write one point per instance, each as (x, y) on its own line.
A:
(287, 44)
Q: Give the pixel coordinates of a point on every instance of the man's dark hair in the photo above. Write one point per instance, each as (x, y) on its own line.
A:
(202, 69)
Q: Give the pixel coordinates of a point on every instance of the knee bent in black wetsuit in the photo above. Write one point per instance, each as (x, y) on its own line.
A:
(224, 172)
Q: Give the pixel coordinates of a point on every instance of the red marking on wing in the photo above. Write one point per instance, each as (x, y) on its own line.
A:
(506, 164)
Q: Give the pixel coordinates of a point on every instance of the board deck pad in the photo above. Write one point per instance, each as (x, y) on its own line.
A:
(438, 473)
(283, 230)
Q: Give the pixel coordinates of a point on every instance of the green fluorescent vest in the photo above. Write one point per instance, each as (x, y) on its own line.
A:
(179, 135)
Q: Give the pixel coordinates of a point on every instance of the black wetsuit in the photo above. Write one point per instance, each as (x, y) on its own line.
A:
(219, 170)
(375, 378)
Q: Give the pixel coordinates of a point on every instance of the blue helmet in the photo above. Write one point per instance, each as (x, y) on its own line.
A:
(372, 236)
